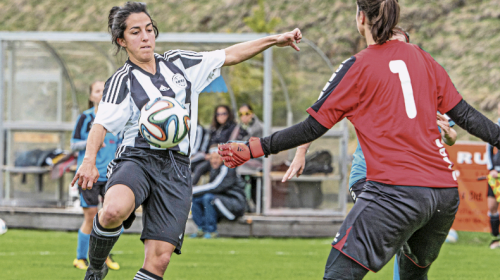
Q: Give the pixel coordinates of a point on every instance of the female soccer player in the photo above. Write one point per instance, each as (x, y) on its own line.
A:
(159, 180)
(390, 92)
(89, 199)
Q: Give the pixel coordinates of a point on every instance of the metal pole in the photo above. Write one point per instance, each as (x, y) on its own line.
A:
(8, 133)
(2, 139)
(268, 117)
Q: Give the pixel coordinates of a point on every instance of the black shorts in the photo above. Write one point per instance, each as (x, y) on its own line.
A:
(90, 198)
(356, 188)
(490, 191)
(161, 184)
(386, 218)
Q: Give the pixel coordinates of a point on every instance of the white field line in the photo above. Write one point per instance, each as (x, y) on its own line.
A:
(45, 253)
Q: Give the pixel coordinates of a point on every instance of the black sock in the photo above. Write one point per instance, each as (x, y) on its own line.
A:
(495, 223)
(143, 274)
(101, 242)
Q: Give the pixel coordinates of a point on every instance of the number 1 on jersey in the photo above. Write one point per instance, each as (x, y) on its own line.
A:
(399, 67)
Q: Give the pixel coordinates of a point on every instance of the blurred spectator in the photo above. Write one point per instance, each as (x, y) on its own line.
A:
(222, 197)
(221, 129)
(198, 153)
(493, 164)
(249, 126)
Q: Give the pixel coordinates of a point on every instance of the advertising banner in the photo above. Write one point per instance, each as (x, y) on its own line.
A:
(469, 159)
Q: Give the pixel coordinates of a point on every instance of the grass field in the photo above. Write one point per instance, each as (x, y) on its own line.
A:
(29, 254)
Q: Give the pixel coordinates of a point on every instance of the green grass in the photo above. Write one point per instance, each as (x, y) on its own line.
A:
(29, 254)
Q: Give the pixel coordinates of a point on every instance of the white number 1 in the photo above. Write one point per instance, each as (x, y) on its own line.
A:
(399, 67)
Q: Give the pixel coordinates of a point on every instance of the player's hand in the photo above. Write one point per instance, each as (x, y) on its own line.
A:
(103, 145)
(86, 175)
(444, 124)
(494, 173)
(236, 153)
(289, 39)
(297, 166)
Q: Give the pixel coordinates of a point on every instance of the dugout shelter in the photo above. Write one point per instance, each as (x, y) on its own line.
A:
(45, 78)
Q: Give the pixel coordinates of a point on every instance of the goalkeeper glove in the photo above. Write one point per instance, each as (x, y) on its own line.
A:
(236, 153)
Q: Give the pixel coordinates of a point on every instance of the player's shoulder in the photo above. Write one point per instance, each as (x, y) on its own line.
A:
(175, 55)
(120, 74)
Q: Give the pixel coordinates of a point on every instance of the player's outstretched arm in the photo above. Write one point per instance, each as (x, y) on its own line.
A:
(236, 153)
(88, 174)
(475, 123)
(298, 163)
(243, 51)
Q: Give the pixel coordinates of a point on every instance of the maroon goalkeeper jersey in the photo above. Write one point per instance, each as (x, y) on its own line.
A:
(391, 93)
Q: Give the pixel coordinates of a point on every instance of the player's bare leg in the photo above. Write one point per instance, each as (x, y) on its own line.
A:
(157, 257)
(118, 204)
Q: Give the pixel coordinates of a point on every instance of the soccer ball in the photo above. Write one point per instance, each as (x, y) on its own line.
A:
(3, 227)
(452, 236)
(164, 122)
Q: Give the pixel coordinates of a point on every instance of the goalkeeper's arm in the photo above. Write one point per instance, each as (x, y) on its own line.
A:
(302, 133)
(236, 153)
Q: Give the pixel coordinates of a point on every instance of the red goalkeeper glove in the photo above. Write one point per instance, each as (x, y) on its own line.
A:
(236, 153)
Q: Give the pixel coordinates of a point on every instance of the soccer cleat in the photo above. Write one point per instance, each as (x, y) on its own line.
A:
(111, 263)
(81, 264)
(210, 235)
(197, 234)
(495, 244)
(96, 274)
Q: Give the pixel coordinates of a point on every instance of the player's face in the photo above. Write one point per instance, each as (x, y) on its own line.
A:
(215, 160)
(222, 115)
(96, 93)
(139, 37)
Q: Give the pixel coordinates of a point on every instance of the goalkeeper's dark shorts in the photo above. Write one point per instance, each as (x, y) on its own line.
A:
(161, 183)
(386, 218)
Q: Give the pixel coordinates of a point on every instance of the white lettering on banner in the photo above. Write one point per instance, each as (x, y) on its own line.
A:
(464, 157)
(478, 160)
(442, 152)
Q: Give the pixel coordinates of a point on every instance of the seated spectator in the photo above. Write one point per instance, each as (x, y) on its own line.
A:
(222, 197)
(222, 126)
(198, 153)
(249, 126)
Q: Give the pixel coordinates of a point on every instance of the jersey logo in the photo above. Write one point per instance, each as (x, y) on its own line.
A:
(179, 80)
(164, 88)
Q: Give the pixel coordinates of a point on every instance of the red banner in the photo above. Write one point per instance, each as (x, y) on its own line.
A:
(469, 159)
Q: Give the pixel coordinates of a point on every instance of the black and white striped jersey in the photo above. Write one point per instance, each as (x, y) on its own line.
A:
(179, 74)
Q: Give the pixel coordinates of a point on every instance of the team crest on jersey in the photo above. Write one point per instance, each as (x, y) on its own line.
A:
(179, 80)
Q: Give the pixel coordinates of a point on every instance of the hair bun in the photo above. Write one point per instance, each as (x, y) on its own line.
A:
(111, 16)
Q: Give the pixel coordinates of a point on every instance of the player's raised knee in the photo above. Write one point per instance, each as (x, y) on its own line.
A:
(112, 216)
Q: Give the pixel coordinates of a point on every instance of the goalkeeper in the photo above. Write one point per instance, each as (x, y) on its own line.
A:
(493, 164)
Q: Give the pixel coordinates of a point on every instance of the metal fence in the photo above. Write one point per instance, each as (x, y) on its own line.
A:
(45, 78)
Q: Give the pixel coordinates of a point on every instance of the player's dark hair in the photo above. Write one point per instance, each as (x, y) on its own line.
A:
(118, 17)
(230, 116)
(382, 15)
